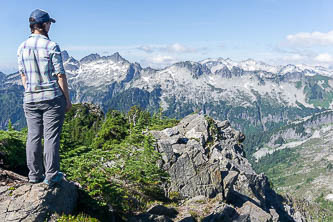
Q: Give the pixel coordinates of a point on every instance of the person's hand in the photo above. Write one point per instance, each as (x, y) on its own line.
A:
(68, 106)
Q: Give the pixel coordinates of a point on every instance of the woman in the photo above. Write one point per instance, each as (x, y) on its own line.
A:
(46, 99)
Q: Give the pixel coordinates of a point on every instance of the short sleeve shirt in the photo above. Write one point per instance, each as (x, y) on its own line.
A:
(39, 59)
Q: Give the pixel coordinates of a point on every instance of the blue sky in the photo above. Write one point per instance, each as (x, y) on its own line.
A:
(157, 33)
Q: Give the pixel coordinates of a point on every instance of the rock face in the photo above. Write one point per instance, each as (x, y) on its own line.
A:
(205, 157)
(199, 161)
(22, 201)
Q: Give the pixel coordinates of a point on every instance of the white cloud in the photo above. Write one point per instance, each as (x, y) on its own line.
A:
(158, 61)
(311, 38)
(305, 48)
(294, 57)
(324, 58)
(284, 59)
(162, 59)
(172, 48)
(178, 48)
(146, 48)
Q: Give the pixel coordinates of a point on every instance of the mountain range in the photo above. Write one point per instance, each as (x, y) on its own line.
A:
(254, 96)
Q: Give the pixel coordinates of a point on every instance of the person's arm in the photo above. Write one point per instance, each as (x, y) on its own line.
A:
(24, 81)
(62, 81)
(60, 72)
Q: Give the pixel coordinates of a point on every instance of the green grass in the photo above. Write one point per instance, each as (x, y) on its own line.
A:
(77, 218)
(328, 205)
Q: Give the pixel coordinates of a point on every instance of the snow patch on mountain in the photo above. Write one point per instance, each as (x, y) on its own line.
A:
(210, 80)
(316, 134)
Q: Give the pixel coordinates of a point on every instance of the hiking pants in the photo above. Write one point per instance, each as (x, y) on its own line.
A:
(44, 118)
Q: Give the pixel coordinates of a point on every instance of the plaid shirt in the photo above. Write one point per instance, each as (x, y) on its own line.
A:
(39, 59)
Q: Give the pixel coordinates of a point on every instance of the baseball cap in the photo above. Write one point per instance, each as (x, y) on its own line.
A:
(41, 16)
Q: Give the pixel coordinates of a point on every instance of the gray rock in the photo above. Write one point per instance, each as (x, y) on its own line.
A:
(221, 125)
(146, 217)
(162, 210)
(171, 131)
(222, 213)
(275, 215)
(36, 202)
(256, 213)
(228, 182)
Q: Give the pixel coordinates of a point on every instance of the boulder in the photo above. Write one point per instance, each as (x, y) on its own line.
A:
(23, 201)
(223, 212)
(256, 214)
(162, 210)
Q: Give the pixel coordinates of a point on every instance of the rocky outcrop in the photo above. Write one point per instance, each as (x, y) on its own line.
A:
(23, 201)
(205, 158)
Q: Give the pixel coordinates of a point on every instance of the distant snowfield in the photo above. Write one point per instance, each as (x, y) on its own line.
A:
(265, 151)
(324, 129)
(316, 134)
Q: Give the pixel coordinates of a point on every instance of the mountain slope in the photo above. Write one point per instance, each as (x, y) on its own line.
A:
(11, 99)
(298, 159)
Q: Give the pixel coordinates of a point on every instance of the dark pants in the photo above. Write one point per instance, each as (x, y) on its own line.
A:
(46, 118)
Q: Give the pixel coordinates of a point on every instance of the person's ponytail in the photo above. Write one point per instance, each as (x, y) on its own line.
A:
(37, 26)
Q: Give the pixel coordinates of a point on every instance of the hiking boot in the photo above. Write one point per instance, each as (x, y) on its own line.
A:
(57, 179)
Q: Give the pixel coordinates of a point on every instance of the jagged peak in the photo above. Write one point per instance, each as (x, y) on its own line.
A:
(2, 76)
(136, 64)
(64, 55)
(71, 59)
(89, 58)
(197, 69)
(182, 63)
(288, 69)
(116, 57)
(188, 64)
(150, 69)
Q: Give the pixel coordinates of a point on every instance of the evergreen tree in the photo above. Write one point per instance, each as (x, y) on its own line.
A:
(10, 126)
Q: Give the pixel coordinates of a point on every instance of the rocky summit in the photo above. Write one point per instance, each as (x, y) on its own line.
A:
(212, 178)
(23, 201)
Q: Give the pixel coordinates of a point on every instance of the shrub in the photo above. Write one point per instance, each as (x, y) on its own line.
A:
(12, 150)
